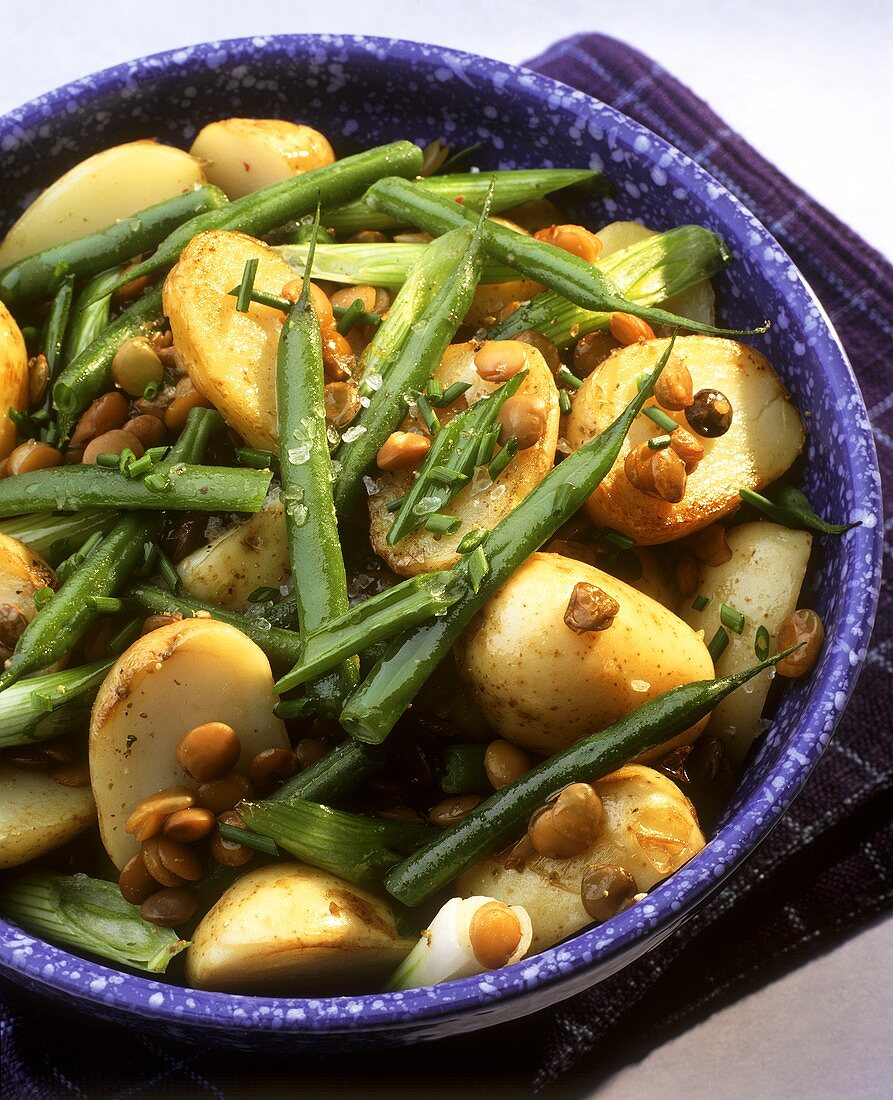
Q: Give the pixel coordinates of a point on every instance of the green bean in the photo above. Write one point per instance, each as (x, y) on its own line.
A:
(373, 710)
(570, 276)
(272, 206)
(57, 324)
(55, 537)
(649, 271)
(511, 188)
(89, 322)
(32, 278)
(340, 772)
(305, 471)
(61, 623)
(386, 265)
(493, 823)
(47, 706)
(416, 358)
(283, 647)
(89, 374)
(187, 488)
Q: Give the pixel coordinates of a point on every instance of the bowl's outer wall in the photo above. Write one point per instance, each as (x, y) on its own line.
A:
(361, 92)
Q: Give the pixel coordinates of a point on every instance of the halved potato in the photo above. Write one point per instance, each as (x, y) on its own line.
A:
(482, 503)
(292, 928)
(13, 378)
(22, 573)
(648, 827)
(99, 191)
(253, 554)
(762, 580)
(230, 356)
(765, 437)
(167, 682)
(37, 814)
(543, 686)
(242, 155)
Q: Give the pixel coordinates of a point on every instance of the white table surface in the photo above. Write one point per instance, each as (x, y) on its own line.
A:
(808, 82)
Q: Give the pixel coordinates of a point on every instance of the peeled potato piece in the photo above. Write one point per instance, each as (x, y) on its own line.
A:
(230, 356)
(242, 155)
(762, 580)
(37, 814)
(13, 379)
(542, 686)
(167, 682)
(481, 503)
(254, 554)
(765, 436)
(99, 191)
(297, 929)
(648, 827)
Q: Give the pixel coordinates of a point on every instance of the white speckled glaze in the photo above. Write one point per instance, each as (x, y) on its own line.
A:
(361, 92)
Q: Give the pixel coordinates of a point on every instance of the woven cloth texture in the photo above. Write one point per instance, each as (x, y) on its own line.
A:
(826, 870)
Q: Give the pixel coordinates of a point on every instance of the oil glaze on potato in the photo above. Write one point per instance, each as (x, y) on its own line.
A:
(13, 378)
(648, 827)
(37, 814)
(481, 503)
(167, 682)
(295, 929)
(253, 554)
(230, 356)
(542, 686)
(762, 580)
(242, 155)
(765, 437)
(99, 191)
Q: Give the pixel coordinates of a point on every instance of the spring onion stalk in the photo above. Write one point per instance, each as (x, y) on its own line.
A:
(456, 945)
(648, 272)
(89, 321)
(90, 915)
(376, 706)
(419, 350)
(462, 770)
(511, 188)
(356, 848)
(791, 508)
(180, 487)
(47, 706)
(493, 823)
(55, 537)
(386, 265)
(57, 325)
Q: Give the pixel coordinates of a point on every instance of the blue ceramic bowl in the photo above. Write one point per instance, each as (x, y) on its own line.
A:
(361, 92)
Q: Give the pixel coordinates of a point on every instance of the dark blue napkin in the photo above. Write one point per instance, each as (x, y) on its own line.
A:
(826, 870)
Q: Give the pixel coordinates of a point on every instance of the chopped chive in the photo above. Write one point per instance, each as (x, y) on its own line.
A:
(256, 459)
(139, 466)
(151, 390)
(471, 540)
(107, 605)
(569, 378)
(443, 475)
(350, 316)
(368, 317)
(427, 414)
(124, 460)
(700, 602)
(438, 523)
(29, 334)
(395, 505)
(732, 618)
(165, 567)
(762, 643)
(717, 644)
(615, 538)
(263, 595)
(249, 274)
(156, 454)
(263, 299)
(235, 834)
(564, 402)
(157, 483)
(433, 390)
(478, 567)
(505, 456)
(42, 597)
(21, 420)
(450, 394)
(109, 461)
(49, 434)
(41, 416)
(150, 553)
(43, 701)
(487, 447)
(659, 442)
(128, 633)
(659, 417)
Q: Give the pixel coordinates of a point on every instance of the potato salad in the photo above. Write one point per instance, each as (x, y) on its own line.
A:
(398, 559)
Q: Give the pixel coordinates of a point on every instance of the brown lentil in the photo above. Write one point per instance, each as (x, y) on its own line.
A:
(566, 827)
(453, 809)
(494, 934)
(188, 826)
(271, 768)
(656, 473)
(687, 574)
(104, 415)
(499, 360)
(505, 763)
(71, 775)
(687, 447)
(228, 852)
(347, 295)
(135, 365)
(220, 795)
(148, 429)
(135, 882)
(800, 627)
(590, 609)
(162, 854)
(627, 329)
(169, 908)
(591, 351)
(605, 889)
(130, 290)
(209, 751)
(709, 414)
(401, 450)
(111, 443)
(572, 238)
(367, 236)
(522, 418)
(186, 398)
(154, 622)
(309, 751)
(33, 455)
(673, 389)
(543, 345)
(38, 379)
(342, 402)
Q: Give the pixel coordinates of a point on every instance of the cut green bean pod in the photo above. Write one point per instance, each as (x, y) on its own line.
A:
(272, 206)
(33, 277)
(492, 824)
(48, 706)
(56, 537)
(510, 188)
(57, 325)
(337, 775)
(376, 706)
(88, 322)
(384, 265)
(570, 276)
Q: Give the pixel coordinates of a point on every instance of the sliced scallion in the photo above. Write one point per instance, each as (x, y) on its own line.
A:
(732, 618)
(762, 643)
(700, 602)
(717, 644)
(247, 285)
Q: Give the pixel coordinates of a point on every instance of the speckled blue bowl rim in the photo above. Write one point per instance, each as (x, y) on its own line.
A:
(609, 946)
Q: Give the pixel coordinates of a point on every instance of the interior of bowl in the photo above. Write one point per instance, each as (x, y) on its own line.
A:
(361, 92)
